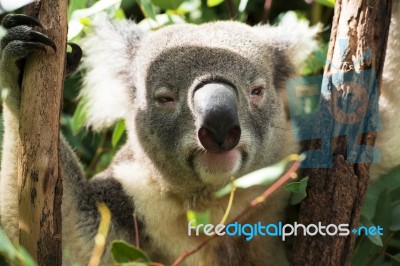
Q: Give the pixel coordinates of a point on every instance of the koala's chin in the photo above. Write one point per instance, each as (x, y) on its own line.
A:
(217, 168)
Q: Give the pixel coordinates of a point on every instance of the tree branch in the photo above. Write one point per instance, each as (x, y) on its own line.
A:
(39, 178)
(336, 195)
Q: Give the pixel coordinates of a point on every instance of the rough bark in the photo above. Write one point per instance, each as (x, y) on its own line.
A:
(39, 176)
(336, 194)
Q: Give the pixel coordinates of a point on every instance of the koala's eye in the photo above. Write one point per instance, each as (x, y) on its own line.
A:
(257, 91)
(165, 98)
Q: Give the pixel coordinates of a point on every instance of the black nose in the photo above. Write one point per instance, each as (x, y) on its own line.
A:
(215, 106)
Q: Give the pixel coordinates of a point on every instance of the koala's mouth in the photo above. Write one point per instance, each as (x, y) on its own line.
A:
(217, 168)
(220, 162)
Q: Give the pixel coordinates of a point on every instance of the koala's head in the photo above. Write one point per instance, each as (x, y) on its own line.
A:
(202, 103)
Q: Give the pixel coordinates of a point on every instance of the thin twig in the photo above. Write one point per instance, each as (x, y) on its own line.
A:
(135, 224)
(231, 8)
(267, 10)
(101, 237)
(228, 209)
(291, 173)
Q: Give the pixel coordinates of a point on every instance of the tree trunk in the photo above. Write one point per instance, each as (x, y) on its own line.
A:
(39, 179)
(346, 134)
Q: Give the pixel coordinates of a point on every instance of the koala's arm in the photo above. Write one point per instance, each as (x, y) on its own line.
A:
(80, 197)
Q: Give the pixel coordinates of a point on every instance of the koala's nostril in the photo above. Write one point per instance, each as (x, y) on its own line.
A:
(208, 139)
(232, 138)
(219, 141)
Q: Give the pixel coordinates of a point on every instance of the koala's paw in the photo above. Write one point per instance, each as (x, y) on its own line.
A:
(73, 58)
(21, 40)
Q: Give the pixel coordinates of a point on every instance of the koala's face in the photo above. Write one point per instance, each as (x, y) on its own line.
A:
(207, 106)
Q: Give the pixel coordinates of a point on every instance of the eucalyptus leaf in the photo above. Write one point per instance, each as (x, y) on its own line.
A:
(118, 132)
(79, 117)
(264, 176)
(147, 8)
(396, 259)
(298, 190)
(383, 213)
(167, 4)
(212, 3)
(15, 255)
(160, 21)
(199, 217)
(391, 182)
(376, 239)
(123, 252)
(75, 5)
(75, 27)
(6, 247)
(395, 224)
(328, 3)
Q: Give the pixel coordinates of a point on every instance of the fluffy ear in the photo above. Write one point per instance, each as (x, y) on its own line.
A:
(291, 43)
(108, 54)
(296, 39)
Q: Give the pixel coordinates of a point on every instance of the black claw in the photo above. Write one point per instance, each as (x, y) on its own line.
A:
(73, 58)
(35, 46)
(12, 20)
(42, 38)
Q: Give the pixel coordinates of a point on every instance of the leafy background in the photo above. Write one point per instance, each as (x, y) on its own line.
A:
(96, 149)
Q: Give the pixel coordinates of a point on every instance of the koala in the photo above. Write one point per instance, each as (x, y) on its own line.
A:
(202, 104)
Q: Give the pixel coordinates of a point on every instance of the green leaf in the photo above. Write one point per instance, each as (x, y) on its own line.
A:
(24, 258)
(199, 217)
(367, 252)
(188, 6)
(124, 252)
(242, 5)
(212, 3)
(376, 239)
(118, 132)
(167, 4)
(395, 194)
(264, 176)
(160, 21)
(396, 259)
(147, 8)
(395, 224)
(79, 117)
(390, 182)
(15, 255)
(6, 247)
(298, 190)
(74, 5)
(75, 27)
(383, 212)
(119, 14)
(328, 3)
